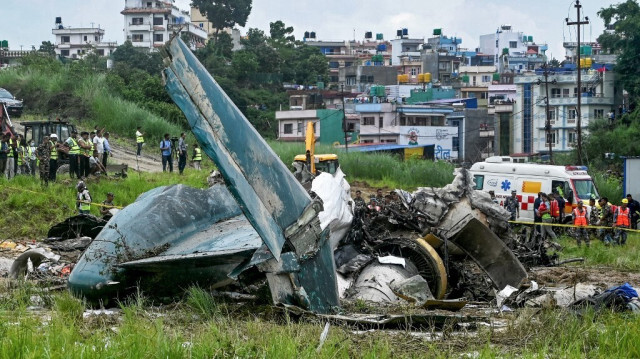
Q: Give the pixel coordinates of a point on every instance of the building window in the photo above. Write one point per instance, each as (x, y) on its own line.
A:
(368, 121)
(414, 71)
(513, 44)
(64, 53)
(455, 144)
(572, 114)
(158, 21)
(442, 66)
(334, 64)
(137, 21)
(101, 52)
(555, 93)
(288, 128)
(65, 39)
(158, 37)
(95, 38)
(552, 115)
(565, 92)
(85, 38)
(334, 79)
(551, 137)
(486, 78)
(351, 80)
(366, 141)
(483, 95)
(370, 79)
(573, 137)
(136, 38)
(598, 113)
(474, 80)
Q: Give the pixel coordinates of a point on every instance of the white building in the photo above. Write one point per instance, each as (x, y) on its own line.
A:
(600, 95)
(76, 42)
(512, 51)
(150, 23)
(408, 125)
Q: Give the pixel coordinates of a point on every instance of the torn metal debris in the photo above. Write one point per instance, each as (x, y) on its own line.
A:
(311, 248)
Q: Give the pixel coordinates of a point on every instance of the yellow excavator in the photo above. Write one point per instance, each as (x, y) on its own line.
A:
(316, 163)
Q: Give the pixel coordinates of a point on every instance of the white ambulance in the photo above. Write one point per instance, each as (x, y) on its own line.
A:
(501, 175)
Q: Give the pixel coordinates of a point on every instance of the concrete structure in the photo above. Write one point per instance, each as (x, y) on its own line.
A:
(201, 21)
(10, 58)
(328, 129)
(361, 78)
(512, 51)
(408, 125)
(600, 95)
(345, 54)
(150, 23)
(77, 42)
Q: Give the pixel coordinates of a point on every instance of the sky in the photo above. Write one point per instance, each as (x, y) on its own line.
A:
(29, 22)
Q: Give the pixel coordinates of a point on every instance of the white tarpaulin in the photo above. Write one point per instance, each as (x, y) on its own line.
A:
(335, 193)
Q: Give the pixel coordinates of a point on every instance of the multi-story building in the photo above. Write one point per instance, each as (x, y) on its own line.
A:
(150, 23)
(346, 54)
(476, 81)
(512, 51)
(600, 95)
(360, 78)
(201, 21)
(76, 42)
(406, 55)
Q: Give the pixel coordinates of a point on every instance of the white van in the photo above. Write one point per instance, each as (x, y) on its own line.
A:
(501, 175)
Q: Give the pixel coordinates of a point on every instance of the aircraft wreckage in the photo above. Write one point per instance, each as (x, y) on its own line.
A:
(311, 249)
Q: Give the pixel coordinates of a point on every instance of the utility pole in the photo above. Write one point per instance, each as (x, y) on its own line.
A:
(579, 110)
(344, 121)
(547, 125)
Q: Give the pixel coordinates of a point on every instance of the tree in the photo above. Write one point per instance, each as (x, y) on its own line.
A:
(224, 14)
(281, 35)
(138, 58)
(48, 48)
(624, 41)
(554, 63)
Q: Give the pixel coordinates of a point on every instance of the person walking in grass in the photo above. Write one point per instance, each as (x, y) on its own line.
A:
(197, 157)
(33, 160)
(182, 153)
(83, 200)
(4, 151)
(85, 154)
(139, 140)
(621, 221)
(43, 153)
(581, 221)
(107, 149)
(606, 220)
(165, 148)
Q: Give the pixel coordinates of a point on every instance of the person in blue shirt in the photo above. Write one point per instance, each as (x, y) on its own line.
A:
(165, 147)
(107, 149)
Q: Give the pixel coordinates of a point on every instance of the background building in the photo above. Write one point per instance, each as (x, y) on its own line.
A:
(150, 23)
(75, 43)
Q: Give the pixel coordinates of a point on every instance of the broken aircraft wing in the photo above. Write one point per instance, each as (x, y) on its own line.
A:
(270, 197)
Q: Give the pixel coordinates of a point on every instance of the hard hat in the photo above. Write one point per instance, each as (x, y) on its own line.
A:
(624, 200)
(80, 185)
(53, 135)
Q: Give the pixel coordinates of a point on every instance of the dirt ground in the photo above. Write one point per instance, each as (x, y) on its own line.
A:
(146, 163)
(600, 276)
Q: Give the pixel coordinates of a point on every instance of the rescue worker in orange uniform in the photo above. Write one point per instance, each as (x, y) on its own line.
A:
(581, 221)
(621, 219)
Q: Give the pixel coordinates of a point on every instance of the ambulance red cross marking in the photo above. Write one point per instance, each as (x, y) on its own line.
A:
(525, 205)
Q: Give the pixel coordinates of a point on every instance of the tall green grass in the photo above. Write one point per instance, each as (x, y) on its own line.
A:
(29, 209)
(608, 186)
(82, 96)
(376, 168)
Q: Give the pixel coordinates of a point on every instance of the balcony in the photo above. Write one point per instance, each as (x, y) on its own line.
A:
(573, 101)
(487, 133)
(139, 27)
(145, 44)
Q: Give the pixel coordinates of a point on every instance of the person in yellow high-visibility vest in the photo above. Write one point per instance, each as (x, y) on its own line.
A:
(53, 159)
(197, 157)
(139, 140)
(9, 171)
(74, 154)
(83, 200)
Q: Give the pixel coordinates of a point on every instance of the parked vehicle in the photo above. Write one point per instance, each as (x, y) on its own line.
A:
(501, 175)
(13, 105)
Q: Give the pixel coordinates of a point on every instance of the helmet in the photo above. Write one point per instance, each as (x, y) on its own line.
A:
(624, 200)
(80, 185)
(53, 135)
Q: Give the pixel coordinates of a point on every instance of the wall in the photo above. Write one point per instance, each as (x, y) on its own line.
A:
(439, 136)
(473, 143)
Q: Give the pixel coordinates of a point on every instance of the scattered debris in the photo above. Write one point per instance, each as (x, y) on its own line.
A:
(83, 225)
(414, 290)
(323, 337)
